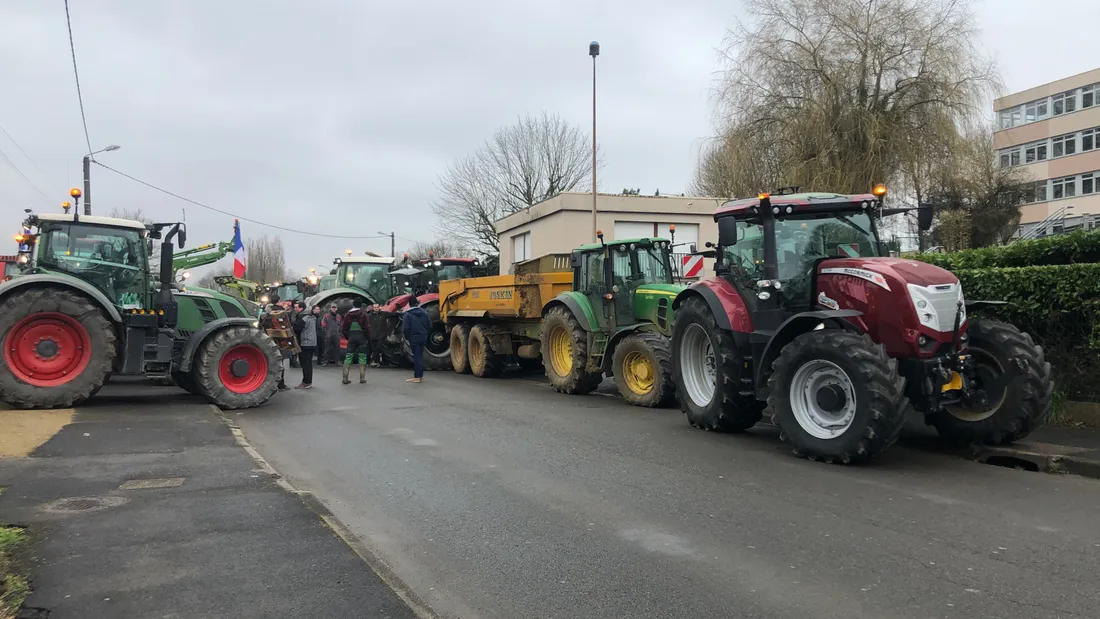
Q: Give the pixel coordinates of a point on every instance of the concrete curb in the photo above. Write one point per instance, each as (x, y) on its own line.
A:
(377, 565)
(1044, 457)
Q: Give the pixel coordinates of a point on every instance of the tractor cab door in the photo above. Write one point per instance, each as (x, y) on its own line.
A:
(114, 260)
(625, 278)
(590, 278)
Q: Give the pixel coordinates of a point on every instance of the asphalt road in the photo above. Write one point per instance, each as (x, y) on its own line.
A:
(501, 498)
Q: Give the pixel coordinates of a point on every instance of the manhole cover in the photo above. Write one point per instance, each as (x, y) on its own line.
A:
(83, 504)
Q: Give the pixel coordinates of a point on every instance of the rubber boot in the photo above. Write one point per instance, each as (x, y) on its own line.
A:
(362, 372)
(347, 370)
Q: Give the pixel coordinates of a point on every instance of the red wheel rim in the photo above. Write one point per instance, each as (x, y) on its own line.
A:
(243, 368)
(47, 349)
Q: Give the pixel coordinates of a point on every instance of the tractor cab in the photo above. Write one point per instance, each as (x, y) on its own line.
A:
(407, 281)
(631, 279)
(442, 269)
(366, 273)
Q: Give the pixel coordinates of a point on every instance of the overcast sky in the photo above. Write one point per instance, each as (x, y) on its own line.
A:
(336, 116)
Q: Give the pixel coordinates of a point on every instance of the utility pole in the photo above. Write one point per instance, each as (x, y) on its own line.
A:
(393, 246)
(594, 50)
(88, 176)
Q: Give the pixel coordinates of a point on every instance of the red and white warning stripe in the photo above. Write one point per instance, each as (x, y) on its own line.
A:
(692, 266)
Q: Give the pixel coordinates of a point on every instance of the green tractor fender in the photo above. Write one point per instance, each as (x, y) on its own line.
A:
(198, 337)
(578, 305)
(621, 334)
(23, 281)
(323, 297)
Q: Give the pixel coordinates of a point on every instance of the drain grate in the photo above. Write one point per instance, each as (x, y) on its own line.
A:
(83, 504)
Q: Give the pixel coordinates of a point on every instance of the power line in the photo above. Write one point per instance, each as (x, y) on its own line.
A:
(19, 172)
(5, 132)
(241, 217)
(76, 74)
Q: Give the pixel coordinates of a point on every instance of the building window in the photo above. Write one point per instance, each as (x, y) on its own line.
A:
(1036, 151)
(1031, 193)
(1036, 110)
(1089, 138)
(1087, 183)
(1064, 187)
(1088, 95)
(1065, 103)
(521, 247)
(1064, 145)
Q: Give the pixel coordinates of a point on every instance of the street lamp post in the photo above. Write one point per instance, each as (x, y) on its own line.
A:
(393, 248)
(594, 50)
(88, 176)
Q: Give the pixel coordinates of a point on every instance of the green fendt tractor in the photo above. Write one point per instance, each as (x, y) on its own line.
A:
(87, 306)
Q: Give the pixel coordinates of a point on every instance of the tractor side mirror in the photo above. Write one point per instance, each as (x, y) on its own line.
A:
(924, 217)
(183, 236)
(883, 248)
(692, 248)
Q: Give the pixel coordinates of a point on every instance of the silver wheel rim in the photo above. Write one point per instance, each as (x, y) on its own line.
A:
(699, 369)
(815, 419)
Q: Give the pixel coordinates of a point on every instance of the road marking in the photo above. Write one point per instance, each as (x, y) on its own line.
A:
(150, 484)
(23, 431)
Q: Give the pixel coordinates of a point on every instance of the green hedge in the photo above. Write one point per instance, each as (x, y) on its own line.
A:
(1058, 305)
(1074, 248)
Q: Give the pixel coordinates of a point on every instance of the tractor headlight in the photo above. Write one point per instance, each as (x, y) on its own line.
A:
(923, 306)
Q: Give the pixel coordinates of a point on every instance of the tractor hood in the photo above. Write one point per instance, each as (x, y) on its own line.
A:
(670, 290)
(889, 272)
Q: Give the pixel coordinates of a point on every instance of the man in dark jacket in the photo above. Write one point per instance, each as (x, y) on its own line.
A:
(416, 324)
(356, 329)
(305, 327)
(331, 324)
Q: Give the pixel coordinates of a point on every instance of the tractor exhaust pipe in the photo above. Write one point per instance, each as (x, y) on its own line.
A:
(165, 301)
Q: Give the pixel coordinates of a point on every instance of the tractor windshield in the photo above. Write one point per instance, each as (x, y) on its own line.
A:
(801, 241)
(653, 265)
(111, 259)
(368, 277)
(434, 274)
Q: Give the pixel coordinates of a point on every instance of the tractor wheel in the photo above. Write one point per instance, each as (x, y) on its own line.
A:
(186, 381)
(715, 391)
(565, 353)
(238, 367)
(460, 359)
(1018, 407)
(643, 370)
(836, 396)
(484, 363)
(59, 348)
(437, 350)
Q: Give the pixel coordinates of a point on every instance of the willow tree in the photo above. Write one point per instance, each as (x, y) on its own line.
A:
(838, 91)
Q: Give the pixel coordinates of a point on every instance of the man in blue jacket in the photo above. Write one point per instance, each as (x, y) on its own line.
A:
(416, 324)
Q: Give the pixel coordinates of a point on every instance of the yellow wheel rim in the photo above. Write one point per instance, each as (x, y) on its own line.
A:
(475, 352)
(638, 373)
(561, 351)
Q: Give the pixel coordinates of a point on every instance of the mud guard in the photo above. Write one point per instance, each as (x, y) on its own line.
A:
(706, 289)
(325, 295)
(199, 336)
(977, 305)
(70, 282)
(791, 328)
(573, 305)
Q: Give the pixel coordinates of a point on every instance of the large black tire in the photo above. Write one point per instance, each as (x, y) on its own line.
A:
(643, 370)
(715, 391)
(567, 373)
(77, 336)
(484, 363)
(212, 365)
(847, 363)
(1021, 407)
(437, 351)
(460, 358)
(186, 381)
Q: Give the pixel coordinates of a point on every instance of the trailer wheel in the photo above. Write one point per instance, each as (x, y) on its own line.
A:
(1019, 407)
(437, 350)
(59, 348)
(643, 370)
(836, 396)
(238, 367)
(460, 359)
(714, 390)
(484, 363)
(565, 353)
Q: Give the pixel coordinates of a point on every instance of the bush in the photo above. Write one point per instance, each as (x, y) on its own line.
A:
(1058, 305)
(1075, 248)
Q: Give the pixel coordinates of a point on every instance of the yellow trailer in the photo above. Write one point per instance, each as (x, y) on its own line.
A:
(490, 318)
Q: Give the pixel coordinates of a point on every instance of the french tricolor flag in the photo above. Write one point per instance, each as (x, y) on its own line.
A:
(238, 251)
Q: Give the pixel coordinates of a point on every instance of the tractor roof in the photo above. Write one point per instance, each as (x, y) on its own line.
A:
(449, 260)
(799, 202)
(93, 220)
(365, 260)
(644, 240)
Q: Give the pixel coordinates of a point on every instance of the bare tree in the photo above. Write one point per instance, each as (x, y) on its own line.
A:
(135, 214)
(838, 91)
(265, 260)
(523, 164)
(440, 248)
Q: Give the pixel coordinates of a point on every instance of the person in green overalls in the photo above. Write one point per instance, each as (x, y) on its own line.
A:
(356, 330)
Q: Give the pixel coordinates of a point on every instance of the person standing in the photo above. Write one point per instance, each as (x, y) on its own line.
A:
(416, 324)
(376, 338)
(356, 329)
(319, 330)
(305, 327)
(331, 324)
(265, 321)
(296, 308)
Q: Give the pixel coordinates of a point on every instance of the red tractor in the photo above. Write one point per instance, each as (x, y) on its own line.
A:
(9, 266)
(808, 318)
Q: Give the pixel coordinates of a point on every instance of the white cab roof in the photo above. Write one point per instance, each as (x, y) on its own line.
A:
(366, 259)
(93, 219)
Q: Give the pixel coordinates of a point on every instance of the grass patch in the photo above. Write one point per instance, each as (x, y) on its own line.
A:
(13, 583)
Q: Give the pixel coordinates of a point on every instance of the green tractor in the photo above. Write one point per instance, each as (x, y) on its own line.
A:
(616, 320)
(87, 306)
